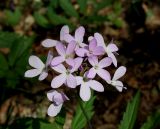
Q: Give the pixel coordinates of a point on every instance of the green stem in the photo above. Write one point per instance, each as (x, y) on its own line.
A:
(84, 112)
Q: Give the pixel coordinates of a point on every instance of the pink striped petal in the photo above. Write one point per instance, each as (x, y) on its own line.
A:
(35, 62)
(114, 60)
(51, 94)
(32, 73)
(100, 40)
(43, 75)
(112, 47)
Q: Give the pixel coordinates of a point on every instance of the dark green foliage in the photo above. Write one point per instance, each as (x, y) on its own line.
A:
(129, 117)
(82, 6)
(79, 120)
(34, 123)
(152, 121)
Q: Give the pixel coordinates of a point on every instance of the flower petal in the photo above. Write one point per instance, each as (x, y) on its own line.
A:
(54, 110)
(58, 81)
(104, 74)
(71, 81)
(35, 62)
(114, 60)
(64, 30)
(112, 47)
(59, 68)
(49, 58)
(93, 60)
(61, 49)
(118, 85)
(51, 94)
(98, 51)
(92, 44)
(77, 64)
(91, 73)
(95, 85)
(85, 92)
(49, 43)
(100, 40)
(119, 73)
(81, 52)
(71, 47)
(79, 34)
(32, 73)
(43, 75)
(105, 62)
(79, 80)
(68, 38)
(57, 60)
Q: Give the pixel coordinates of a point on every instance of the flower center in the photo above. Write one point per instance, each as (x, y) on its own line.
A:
(96, 66)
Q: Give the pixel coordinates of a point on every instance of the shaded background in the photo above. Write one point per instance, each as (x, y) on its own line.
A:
(135, 27)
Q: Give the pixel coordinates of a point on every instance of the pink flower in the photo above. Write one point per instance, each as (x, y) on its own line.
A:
(86, 86)
(65, 54)
(118, 74)
(98, 68)
(39, 67)
(66, 76)
(91, 50)
(51, 43)
(58, 100)
(78, 37)
(110, 49)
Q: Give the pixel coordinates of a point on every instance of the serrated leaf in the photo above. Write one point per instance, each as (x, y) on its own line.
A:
(82, 5)
(152, 121)
(56, 19)
(41, 20)
(79, 120)
(67, 6)
(12, 18)
(129, 117)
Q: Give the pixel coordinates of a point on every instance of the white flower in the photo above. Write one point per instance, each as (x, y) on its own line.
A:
(51, 43)
(118, 74)
(86, 86)
(58, 100)
(39, 68)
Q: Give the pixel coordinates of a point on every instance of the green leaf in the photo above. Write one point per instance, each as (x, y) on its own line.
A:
(3, 66)
(53, 3)
(33, 123)
(152, 121)
(12, 18)
(21, 45)
(56, 19)
(41, 20)
(79, 120)
(129, 117)
(67, 6)
(7, 39)
(82, 5)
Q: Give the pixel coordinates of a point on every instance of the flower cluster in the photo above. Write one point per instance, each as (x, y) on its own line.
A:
(77, 64)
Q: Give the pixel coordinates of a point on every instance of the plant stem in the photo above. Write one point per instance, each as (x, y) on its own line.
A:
(84, 112)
